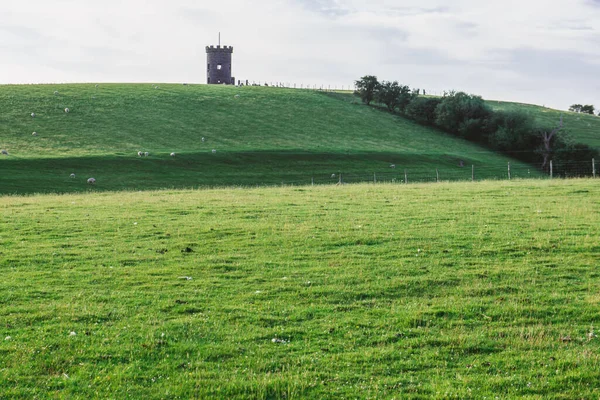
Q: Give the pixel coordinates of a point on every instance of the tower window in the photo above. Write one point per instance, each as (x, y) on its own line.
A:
(208, 67)
(219, 66)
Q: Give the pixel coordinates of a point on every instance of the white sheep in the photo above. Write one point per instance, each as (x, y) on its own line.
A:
(4, 152)
(91, 181)
(203, 139)
(237, 96)
(392, 165)
(34, 133)
(172, 154)
(72, 176)
(67, 110)
(146, 154)
(333, 175)
(56, 92)
(140, 154)
(32, 115)
(214, 151)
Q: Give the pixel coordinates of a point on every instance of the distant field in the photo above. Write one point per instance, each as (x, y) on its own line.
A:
(265, 136)
(471, 290)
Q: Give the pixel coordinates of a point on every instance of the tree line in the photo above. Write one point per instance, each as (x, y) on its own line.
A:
(586, 109)
(514, 133)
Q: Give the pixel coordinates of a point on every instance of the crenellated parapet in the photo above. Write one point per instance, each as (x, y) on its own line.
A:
(219, 49)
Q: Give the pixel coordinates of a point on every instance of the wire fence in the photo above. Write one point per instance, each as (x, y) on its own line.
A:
(291, 85)
(415, 174)
(324, 87)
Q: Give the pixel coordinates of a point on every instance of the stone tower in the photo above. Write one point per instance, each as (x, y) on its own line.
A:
(218, 69)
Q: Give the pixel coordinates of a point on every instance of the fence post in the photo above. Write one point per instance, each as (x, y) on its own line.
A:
(437, 175)
(374, 178)
(405, 177)
(472, 172)
(312, 181)
(340, 181)
(509, 171)
(550, 169)
(593, 168)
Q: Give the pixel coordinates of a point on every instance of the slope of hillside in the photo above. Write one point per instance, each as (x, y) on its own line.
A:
(261, 136)
(582, 128)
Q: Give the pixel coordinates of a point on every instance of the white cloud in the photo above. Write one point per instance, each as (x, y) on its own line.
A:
(469, 45)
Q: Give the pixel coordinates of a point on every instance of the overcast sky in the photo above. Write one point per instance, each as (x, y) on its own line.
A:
(537, 51)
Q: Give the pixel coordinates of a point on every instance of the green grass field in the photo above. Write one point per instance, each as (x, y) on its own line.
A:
(266, 136)
(451, 290)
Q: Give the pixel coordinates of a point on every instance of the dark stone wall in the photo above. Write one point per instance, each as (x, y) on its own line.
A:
(216, 56)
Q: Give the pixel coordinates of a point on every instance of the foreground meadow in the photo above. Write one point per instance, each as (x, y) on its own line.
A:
(467, 290)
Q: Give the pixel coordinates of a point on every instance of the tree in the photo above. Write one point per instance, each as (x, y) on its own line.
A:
(588, 109)
(548, 137)
(575, 108)
(512, 132)
(464, 115)
(578, 108)
(405, 97)
(366, 88)
(389, 93)
(422, 109)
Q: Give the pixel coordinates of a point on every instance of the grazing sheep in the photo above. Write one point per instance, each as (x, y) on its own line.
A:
(333, 175)
(392, 165)
(56, 92)
(237, 96)
(4, 152)
(67, 110)
(214, 151)
(34, 134)
(73, 176)
(91, 181)
(203, 139)
(32, 115)
(172, 154)
(146, 154)
(140, 154)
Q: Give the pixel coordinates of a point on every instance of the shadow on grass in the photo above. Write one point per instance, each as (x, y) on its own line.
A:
(193, 170)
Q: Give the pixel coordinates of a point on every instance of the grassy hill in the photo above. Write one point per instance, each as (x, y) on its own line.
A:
(461, 290)
(262, 136)
(582, 128)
